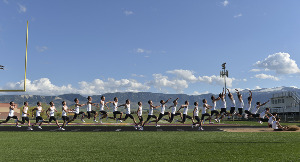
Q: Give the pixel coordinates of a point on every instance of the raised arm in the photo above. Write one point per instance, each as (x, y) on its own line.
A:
(264, 103)
(168, 100)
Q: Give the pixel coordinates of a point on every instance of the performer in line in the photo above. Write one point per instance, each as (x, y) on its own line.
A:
(102, 112)
(204, 112)
(254, 111)
(128, 113)
(64, 115)
(140, 114)
(240, 103)
(264, 114)
(162, 110)
(25, 115)
(115, 111)
(150, 114)
(174, 112)
(89, 110)
(196, 116)
(77, 111)
(185, 111)
(232, 104)
(11, 114)
(248, 109)
(52, 109)
(214, 108)
(38, 119)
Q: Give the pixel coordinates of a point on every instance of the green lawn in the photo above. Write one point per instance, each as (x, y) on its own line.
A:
(149, 146)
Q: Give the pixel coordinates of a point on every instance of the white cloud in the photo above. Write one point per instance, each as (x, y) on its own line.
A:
(225, 3)
(136, 75)
(22, 8)
(245, 80)
(199, 93)
(141, 50)
(216, 80)
(257, 87)
(255, 70)
(281, 63)
(44, 86)
(160, 82)
(41, 49)
(41, 86)
(127, 12)
(184, 74)
(238, 15)
(265, 76)
(99, 86)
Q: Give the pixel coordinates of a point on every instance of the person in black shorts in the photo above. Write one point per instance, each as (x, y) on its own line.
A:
(38, 118)
(76, 111)
(128, 112)
(139, 113)
(150, 114)
(174, 112)
(25, 115)
(163, 109)
(11, 114)
(241, 103)
(89, 110)
(196, 115)
(51, 116)
(204, 111)
(214, 110)
(185, 112)
(102, 113)
(115, 110)
(64, 115)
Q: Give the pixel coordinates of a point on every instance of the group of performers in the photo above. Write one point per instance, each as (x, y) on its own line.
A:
(249, 112)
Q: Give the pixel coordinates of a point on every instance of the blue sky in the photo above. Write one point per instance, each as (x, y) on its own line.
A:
(171, 46)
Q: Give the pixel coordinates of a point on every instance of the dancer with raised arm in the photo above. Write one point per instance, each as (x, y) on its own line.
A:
(223, 108)
(128, 113)
(214, 108)
(174, 112)
(162, 110)
(150, 114)
(232, 104)
(77, 111)
(115, 111)
(185, 112)
(248, 109)
(254, 111)
(240, 103)
(204, 112)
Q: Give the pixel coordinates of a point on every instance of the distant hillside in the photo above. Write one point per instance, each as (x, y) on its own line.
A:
(258, 95)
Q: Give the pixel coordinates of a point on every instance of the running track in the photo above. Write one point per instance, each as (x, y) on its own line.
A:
(120, 127)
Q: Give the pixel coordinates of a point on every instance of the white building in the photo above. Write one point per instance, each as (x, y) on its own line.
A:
(285, 103)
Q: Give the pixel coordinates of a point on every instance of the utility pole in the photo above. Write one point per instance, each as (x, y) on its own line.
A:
(224, 74)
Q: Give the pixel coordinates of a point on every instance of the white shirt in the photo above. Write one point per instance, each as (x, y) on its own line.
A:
(255, 110)
(274, 125)
(232, 102)
(64, 113)
(214, 106)
(263, 114)
(127, 107)
(185, 110)
(101, 105)
(38, 111)
(224, 103)
(25, 109)
(89, 107)
(52, 111)
(140, 113)
(204, 108)
(11, 112)
(174, 109)
(115, 106)
(270, 121)
(77, 109)
(196, 113)
(150, 110)
(162, 109)
(248, 106)
(241, 104)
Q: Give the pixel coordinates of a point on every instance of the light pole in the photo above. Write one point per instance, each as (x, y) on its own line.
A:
(224, 73)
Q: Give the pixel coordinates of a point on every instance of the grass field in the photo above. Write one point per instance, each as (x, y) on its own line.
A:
(149, 146)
